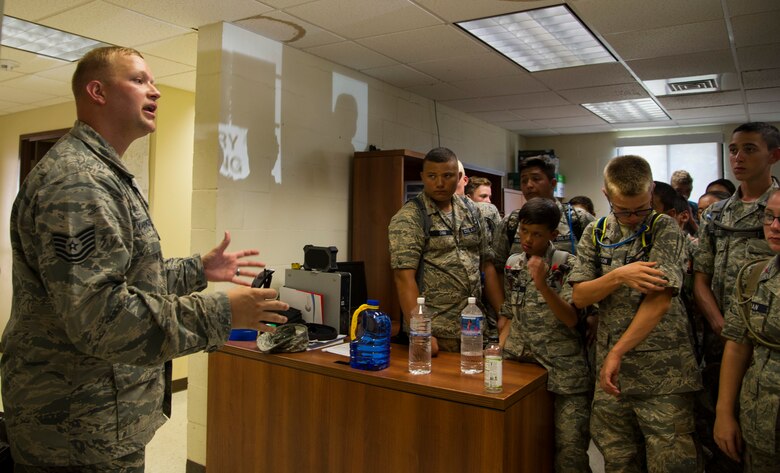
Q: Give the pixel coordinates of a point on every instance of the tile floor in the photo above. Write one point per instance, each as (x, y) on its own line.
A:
(167, 452)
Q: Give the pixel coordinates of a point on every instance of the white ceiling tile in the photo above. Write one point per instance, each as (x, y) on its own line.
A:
(761, 79)
(287, 29)
(194, 13)
(35, 10)
(608, 93)
(400, 76)
(578, 130)
(461, 10)
(424, 44)
(34, 83)
(30, 63)
(764, 107)
(184, 81)
(763, 95)
(670, 41)
(439, 91)
(643, 125)
(493, 117)
(759, 28)
(352, 55)
(565, 111)
(675, 102)
(519, 83)
(463, 68)
(739, 118)
(520, 125)
(285, 3)
(162, 67)
(354, 19)
(52, 101)
(62, 73)
(765, 117)
(117, 25)
(683, 65)
(5, 75)
(759, 57)
(507, 102)
(20, 96)
(590, 120)
(182, 49)
(617, 16)
(585, 76)
(726, 110)
(741, 7)
(539, 132)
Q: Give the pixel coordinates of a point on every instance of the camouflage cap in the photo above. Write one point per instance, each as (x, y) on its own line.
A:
(286, 338)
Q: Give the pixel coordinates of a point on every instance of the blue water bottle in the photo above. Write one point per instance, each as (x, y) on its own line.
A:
(370, 334)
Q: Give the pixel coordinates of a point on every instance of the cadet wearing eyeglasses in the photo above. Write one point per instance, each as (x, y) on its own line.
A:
(730, 235)
(630, 263)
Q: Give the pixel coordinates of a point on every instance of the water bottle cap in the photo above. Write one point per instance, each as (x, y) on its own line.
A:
(373, 302)
(420, 300)
(472, 300)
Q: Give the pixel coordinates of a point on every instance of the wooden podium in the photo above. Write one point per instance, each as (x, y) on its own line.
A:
(311, 412)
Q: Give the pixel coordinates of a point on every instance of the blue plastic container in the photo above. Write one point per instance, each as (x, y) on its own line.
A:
(370, 345)
(243, 335)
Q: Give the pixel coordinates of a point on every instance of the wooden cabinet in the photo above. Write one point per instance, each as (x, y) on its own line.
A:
(378, 190)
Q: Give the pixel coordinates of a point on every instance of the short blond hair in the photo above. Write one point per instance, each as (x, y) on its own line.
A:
(628, 176)
(97, 65)
(681, 177)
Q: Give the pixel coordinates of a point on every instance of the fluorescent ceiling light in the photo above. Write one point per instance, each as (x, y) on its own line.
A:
(684, 85)
(39, 39)
(542, 39)
(627, 111)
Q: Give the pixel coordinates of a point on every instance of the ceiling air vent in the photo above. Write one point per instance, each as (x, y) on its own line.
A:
(685, 85)
(693, 86)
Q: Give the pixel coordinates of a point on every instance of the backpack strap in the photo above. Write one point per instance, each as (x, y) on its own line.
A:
(745, 297)
(559, 257)
(418, 201)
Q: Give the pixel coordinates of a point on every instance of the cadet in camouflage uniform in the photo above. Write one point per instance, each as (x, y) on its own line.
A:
(450, 259)
(542, 330)
(730, 235)
(751, 362)
(537, 179)
(96, 310)
(642, 412)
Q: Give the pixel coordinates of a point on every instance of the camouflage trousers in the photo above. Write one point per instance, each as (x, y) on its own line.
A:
(645, 433)
(757, 461)
(451, 345)
(572, 432)
(132, 463)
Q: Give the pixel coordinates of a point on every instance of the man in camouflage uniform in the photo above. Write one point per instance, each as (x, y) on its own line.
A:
(449, 259)
(96, 310)
(542, 329)
(537, 179)
(642, 413)
(751, 361)
(730, 235)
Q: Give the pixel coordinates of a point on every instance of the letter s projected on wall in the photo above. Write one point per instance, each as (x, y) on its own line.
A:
(235, 159)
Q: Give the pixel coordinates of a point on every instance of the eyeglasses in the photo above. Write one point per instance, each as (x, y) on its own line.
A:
(769, 218)
(628, 213)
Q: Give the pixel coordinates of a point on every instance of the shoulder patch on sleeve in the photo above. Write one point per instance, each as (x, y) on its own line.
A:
(75, 249)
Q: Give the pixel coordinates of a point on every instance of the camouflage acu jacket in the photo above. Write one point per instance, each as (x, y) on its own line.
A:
(722, 256)
(759, 399)
(663, 363)
(536, 332)
(96, 310)
(451, 258)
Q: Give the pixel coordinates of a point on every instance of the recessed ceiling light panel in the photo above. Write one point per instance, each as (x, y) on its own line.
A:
(542, 39)
(39, 39)
(628, 111)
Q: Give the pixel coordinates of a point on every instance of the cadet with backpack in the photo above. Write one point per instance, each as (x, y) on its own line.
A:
(751, 359)
(448, 243)
(642, 411)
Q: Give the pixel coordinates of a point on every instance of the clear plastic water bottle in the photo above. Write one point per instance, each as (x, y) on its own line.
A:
(471, 320)
(370, 332)
(493, 366)
(420, 339)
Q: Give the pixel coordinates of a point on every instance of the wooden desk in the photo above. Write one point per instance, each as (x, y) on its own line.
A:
(305, 412)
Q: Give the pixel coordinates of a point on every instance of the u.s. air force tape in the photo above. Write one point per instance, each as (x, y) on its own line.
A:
(74, 249)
